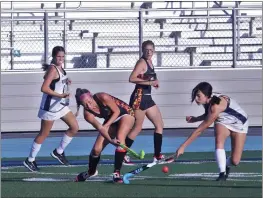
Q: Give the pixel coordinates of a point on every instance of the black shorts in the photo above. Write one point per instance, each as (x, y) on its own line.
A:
(139, 100)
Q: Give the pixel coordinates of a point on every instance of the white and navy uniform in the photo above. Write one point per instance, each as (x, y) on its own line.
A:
(233, 117)
(54, 108)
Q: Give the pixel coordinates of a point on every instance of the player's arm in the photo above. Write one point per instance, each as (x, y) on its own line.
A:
(211, 117)
(108, 100)
(191, 119)
(90, 118)
(139, 69)
(49, 77)
(201, 117)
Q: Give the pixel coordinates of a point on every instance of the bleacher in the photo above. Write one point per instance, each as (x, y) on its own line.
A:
(201, 37)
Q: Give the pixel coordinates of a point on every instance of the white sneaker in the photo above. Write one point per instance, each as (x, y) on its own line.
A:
(127, 161)
(161, 156)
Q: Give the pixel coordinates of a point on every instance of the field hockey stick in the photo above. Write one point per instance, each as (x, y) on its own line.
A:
(132, 152)
(66, 89)
(132, 173)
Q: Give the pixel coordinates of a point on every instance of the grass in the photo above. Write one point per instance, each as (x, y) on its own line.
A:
(183, 180)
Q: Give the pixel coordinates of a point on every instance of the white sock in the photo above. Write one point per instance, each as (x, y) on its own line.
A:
(229, 161)
(64, 143)
(34, 151)
(221, 159)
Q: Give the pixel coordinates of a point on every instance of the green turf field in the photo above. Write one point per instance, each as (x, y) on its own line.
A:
(196, 179)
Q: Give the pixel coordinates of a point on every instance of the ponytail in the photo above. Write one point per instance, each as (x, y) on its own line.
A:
(45, 66)
(215, 100)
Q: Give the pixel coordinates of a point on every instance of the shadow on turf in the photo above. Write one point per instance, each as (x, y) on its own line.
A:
(221, 184)
(159, 184)
(12, 180)
(213, 182)
(197, 185)
(21, 180)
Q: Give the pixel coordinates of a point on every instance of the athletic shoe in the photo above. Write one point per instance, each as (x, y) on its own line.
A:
(85, 175)
(127, 161)
(161, 157)
(227, 171)
(60, 157)
(117, 177)
(221, 177)
(32, 166)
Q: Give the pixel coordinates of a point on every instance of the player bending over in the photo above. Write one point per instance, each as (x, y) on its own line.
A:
(229, 119)
(119, 120)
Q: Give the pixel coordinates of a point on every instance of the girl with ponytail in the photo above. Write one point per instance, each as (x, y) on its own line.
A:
(118, 122)
(54, 106)
(229, 120)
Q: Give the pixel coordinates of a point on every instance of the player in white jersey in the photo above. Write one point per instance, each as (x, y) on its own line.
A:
(229, 119)
(54, 106)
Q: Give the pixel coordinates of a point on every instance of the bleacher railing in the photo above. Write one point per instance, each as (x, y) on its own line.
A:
(185, 41)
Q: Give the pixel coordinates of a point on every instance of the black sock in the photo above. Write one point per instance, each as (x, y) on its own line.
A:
(128, 142)
(119, 156)
(93, 162)
(158, 139)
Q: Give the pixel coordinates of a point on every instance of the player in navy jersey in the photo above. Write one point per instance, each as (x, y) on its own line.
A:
(54, 106)
(229, 119)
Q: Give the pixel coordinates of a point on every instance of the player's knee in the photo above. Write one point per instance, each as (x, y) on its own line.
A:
(95, 151)
(137, 128)
(74, 128)
(235, 161)
(43, 134)
(159, 128)
(121, 136)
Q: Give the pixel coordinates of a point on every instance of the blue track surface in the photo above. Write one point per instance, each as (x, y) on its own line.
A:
(81, 146)
(85, 162)
(14, 146)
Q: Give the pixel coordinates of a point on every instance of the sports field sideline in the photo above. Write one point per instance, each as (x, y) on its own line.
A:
(192, 175)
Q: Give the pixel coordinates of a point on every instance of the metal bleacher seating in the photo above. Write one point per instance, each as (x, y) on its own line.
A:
(96, 39)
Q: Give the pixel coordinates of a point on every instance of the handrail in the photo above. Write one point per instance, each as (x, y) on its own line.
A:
(118, 18)
(63, 19)
(7, 48)
(91, 9)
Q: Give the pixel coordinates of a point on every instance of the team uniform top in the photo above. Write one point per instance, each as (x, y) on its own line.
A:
(147, 89)
(233, 117)
(105, 111)
(60, 85)
(141, 96)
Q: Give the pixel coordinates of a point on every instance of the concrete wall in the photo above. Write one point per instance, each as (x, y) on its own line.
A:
(20, 94)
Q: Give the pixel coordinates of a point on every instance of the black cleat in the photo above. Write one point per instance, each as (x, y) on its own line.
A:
(84, 176)
(227, 171)
(221, 177)
(117, 177)
(60, 157)
(32, 166)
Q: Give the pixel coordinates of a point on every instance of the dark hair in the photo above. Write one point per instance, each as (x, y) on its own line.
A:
(79, 92)
(207, 90)
(148, 42)
(55, 51)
